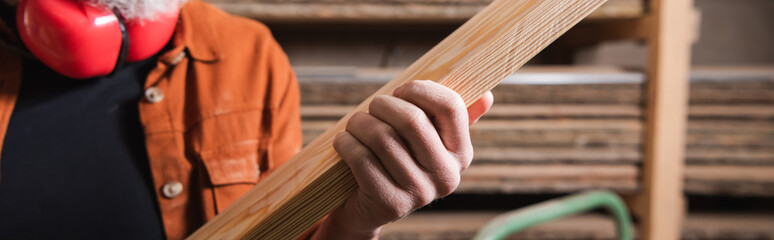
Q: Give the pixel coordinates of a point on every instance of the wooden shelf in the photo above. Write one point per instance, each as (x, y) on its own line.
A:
(387, 11)
(464, 225)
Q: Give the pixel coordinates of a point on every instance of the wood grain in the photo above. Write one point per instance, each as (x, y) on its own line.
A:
(471, 61)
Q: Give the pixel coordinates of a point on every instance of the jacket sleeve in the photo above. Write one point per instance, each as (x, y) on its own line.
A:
(286, 138)
(284, 116)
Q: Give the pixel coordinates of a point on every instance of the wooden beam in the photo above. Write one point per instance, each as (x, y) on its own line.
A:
(471, 61)
(661, 202)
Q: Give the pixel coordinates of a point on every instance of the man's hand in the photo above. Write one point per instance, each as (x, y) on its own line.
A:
(406, 152)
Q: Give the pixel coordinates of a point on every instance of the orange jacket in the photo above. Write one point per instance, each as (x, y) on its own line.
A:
(221, 111)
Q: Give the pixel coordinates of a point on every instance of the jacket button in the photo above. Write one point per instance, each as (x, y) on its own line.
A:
(172, 189)
(154, 94)
(177, 58)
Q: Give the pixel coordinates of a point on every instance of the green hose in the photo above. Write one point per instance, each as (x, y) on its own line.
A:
(518, 220)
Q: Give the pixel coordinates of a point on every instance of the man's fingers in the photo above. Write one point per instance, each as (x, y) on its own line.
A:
(368, 172)
(480, 107)
(446, 110)
(392, 152)
(415, 127)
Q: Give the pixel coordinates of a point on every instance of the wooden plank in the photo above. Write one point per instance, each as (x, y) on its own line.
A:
(661, 202)
(730, 180)
(616, 155)
(548, 178)
(557, 155)
(393, 11)
(596, 111)
(563, 178)
(464, 225)
(471, 61)
(747, 111)
(743, 156)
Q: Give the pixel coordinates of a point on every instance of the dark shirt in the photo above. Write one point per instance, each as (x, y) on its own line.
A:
(74, 164)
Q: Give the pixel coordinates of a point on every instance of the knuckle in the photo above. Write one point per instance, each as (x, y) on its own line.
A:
(466, 156)
(416, 84)
(382, 133)
(448, 109)
(378, 102)
(410, 88)
(448, 183)
(339, 141)
(355, 121)
(425, 198)
(422, 196)
(415, 120)
(455, 108)
(379, 134)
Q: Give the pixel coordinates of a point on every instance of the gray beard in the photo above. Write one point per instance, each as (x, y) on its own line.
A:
(133, 9)
(140, 9)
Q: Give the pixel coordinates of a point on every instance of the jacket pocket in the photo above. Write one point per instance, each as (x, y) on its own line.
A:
(232, 171)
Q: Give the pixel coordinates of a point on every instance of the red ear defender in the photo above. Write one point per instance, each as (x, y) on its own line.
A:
(76, 40)
(81, 41)
(149, 36)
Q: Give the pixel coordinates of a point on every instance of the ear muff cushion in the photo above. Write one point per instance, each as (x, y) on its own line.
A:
(75, 39)
(148, 37)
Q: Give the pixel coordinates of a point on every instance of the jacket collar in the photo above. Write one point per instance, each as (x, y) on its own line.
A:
(197, 34)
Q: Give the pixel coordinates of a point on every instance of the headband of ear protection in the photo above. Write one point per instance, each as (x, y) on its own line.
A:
(81, 41)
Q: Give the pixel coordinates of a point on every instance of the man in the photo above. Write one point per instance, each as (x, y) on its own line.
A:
(161, 145)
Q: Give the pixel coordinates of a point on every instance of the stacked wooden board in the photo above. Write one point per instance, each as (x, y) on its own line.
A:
(387, 11)
(565, 129)
(555, 130)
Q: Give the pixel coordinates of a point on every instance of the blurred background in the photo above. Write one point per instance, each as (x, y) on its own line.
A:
(573, 119)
